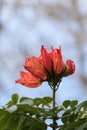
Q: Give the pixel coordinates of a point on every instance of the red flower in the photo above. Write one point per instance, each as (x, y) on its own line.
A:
(32, 64)
(28, 79)
(49, 66)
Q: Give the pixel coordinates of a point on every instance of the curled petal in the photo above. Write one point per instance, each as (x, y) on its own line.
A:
(45, 59)
(28, 79)
(32, 64)
(57, 60)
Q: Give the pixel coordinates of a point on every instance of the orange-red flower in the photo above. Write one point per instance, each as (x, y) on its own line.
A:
(32, 64)
(49, 66)
(28, 79)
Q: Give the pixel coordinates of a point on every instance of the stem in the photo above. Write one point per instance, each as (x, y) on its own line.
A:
(54, 96)
(54, 88)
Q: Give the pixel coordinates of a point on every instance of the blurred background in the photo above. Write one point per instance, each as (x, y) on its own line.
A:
(25, 25)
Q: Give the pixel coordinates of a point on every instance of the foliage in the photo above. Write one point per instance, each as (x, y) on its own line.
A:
(32, 114)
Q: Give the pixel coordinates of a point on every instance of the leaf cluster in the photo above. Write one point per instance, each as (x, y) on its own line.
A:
(33, 114)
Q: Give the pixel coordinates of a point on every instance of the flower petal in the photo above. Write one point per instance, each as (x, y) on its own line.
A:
(57, 60)
(32, 64)
(45, 59)
(28, 79)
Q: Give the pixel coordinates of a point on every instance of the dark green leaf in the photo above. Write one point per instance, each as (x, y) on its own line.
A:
(66, 103)
(3, 113)
(75, 124)
(73, 103)
(34, 124)
(48, 99)
(24, 107)
(4, 116)
(23, 98)
(37, 101)
(15, 98)
(10, 103)
(82, 126)
(15, 122)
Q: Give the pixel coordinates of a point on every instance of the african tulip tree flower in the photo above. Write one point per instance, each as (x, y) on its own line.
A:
(49, 66)
(28, 79)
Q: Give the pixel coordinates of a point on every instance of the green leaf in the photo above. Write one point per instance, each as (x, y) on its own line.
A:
(75, 124)
(34, 124)
(4, 116)
(24, 107)
(48, 99)
(23, 98)
(82, 126)
(66, 103)
(15, 122)
(10, 103)
(45, 101)
(82, 105)
(2, 113)
(37, 101)
(15, 98)
(21, 121)
(28, 101)
(73, 103)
